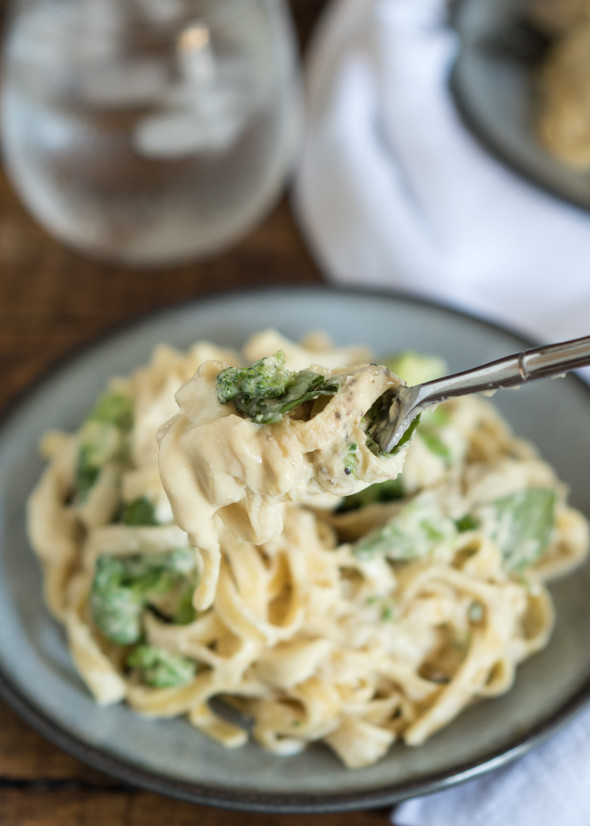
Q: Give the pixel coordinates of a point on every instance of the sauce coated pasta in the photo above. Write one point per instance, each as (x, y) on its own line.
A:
(277, 560)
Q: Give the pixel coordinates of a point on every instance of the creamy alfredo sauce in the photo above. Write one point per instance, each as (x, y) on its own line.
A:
(224, 472)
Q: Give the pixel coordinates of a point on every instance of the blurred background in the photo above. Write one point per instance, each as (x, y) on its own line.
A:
(66, 274)
(148, 147)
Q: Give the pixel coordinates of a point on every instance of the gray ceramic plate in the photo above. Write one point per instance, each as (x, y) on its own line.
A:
(495, 95)
(37, 676)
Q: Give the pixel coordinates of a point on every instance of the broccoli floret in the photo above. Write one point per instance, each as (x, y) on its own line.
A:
(103, 438)
(521, 524)
(466, 523)
(415, 368)
(266, 378)
(115, 409)
(160, 669)
(99, 444)
(434, 443)
(115, 605)
(416, 530)
(139, 512)
(86, 472)
(185, 610)
(123, 587)
(432, 430)
(387, 491)
(267, 390)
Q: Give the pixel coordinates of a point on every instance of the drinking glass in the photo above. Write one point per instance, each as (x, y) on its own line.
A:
(149, 131)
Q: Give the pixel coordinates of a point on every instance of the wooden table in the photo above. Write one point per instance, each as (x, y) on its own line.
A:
(52, 301)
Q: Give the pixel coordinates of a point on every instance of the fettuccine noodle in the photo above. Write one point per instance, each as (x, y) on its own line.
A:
(318, 620)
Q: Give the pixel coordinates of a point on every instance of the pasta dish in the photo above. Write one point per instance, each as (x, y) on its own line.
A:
(263, 552)
(561, 99)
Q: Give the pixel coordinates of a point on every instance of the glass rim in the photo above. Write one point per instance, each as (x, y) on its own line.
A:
(218, 13)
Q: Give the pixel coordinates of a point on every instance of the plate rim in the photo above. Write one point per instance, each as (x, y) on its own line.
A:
(264, 801)
(496, 147)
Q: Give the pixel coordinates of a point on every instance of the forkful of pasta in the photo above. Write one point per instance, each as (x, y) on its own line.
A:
(396, 415)
(248, 440)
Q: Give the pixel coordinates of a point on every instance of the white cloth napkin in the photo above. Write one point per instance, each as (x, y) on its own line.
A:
(546, 787)
(393, 191)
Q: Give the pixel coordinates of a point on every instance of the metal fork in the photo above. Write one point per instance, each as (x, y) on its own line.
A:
(401, 405)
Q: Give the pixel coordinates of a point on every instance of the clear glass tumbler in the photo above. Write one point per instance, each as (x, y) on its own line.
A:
(149, 131)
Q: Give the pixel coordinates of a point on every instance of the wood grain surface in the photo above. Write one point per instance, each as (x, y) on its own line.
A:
(52, 301)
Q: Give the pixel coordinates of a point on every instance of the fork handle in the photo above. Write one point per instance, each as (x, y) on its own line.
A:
(403, 404)
(537, 363)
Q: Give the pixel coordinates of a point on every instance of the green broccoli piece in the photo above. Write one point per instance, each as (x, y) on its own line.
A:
(122, 587)
(466, 523)
(429, 431)
(521, 524)
(103, 438)
(99, 444)
(115, 605)
(434, 443)
(185, 610)
(267, 390)
(267, 378)
(387, 491)
(415, 368)
(413, 533)
(113, 408)
(160, 669)
(139, 512)
(86, 472)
